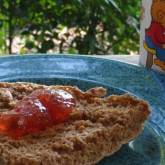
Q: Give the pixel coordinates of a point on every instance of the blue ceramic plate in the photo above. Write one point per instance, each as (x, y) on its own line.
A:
(118, 78)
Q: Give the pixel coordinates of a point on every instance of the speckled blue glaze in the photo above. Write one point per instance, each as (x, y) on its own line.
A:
(117, 77)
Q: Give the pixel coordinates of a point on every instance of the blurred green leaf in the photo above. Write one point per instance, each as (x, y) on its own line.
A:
(72, 26)
(72, 51)
(29, 44)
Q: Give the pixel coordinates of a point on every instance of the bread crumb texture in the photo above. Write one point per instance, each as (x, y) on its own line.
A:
(97, 127)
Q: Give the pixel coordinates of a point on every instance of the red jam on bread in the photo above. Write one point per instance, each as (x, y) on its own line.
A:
(41, 109)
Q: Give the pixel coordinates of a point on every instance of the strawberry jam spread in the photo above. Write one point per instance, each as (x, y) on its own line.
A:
(41, 109)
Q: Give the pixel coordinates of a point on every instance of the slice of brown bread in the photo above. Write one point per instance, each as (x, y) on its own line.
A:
(97, 128)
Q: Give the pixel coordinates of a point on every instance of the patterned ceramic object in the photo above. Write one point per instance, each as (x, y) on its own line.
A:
(152, 35)
(87, 72)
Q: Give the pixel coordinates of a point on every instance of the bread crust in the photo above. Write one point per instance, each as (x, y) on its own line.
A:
(97, 127)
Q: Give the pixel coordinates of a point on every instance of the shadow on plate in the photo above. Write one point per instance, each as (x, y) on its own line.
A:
(144, 150)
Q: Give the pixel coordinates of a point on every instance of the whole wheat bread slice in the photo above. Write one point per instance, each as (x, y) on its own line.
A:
(98, 128)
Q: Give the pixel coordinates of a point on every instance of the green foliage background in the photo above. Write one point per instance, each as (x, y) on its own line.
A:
(70, 26)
